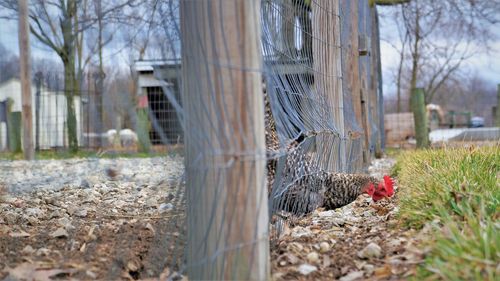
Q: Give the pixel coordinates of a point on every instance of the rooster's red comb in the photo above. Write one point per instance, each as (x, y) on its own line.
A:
(389, 184)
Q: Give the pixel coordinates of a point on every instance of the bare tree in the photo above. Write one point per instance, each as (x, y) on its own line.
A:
(9, 64)
(60, 25)
(437, 37)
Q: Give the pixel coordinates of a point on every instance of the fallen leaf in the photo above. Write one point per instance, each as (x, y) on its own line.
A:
(383, 272)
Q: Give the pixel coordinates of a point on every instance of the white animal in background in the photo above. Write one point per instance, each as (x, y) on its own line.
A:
(112, 137)
(128, 138)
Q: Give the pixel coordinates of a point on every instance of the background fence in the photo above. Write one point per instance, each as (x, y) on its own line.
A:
(273, 87)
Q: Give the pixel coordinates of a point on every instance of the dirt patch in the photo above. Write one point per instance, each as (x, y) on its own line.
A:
(88, 234)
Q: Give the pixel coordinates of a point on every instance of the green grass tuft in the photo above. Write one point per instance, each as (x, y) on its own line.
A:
(459, 189)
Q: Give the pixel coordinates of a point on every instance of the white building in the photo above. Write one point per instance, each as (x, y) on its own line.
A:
(52, 115)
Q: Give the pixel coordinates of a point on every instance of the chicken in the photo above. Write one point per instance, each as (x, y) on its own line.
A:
(304, 187)
(330, 191)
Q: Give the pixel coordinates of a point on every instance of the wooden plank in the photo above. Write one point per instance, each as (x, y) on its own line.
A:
(225, 145)
(25, 74)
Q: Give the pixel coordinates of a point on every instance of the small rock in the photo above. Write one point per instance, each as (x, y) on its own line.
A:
(371, 251)
(299, 231)
(295, 247)
(368, 268)
(112, 173)
(395, 243)
(149, 227)
(18, 203)
(50, 200)
(31, 220)
(81, 213)
(355, 275)
(84, 184)
(324, 247)
(313, 257)
(132, 266)
(91, 274)
(165, 207)
(292, 259)
(35, 212)
(56, 214)
(71, 210)
(59, 233)
(306, 269)
(151, 202)
(43, 252)
(65, 222)
(28, 250)
(326, 214)
(10, 217)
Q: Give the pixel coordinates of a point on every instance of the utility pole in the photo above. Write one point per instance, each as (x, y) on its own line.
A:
(24, 58)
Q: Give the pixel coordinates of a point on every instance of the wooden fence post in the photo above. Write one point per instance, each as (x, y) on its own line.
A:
(25, 67)
(497, 117)
(328, 70)
(420, 117)
(227, 217)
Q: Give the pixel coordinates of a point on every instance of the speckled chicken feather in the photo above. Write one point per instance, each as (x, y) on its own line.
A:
(303, 187)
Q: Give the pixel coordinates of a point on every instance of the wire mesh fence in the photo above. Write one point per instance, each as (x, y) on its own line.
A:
(253, 108)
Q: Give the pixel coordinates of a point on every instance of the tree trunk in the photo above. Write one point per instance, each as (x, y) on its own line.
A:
(420, 118)
(70, 88)
(415, 56)
(70, 82)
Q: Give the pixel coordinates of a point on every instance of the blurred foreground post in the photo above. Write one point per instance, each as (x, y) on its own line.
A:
(419, 114)
(497, 117)
(225, 148)
(25, 69)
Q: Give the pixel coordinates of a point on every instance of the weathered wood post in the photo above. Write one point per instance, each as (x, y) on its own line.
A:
(25, 67)
(497, 117)
(327, 63)
(227, 213)
(420, 117)
(38, 82)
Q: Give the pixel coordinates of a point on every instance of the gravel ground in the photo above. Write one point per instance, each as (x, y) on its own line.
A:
(360, 241)
(23, 176)
(109, 219)
(88, 219)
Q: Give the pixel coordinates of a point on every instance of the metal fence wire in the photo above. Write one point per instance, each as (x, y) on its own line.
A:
(253, 102)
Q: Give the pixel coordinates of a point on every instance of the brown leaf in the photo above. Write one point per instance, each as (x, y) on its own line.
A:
(383, 272)
(29, 271)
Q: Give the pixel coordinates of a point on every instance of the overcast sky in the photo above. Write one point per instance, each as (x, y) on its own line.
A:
(486, 65)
